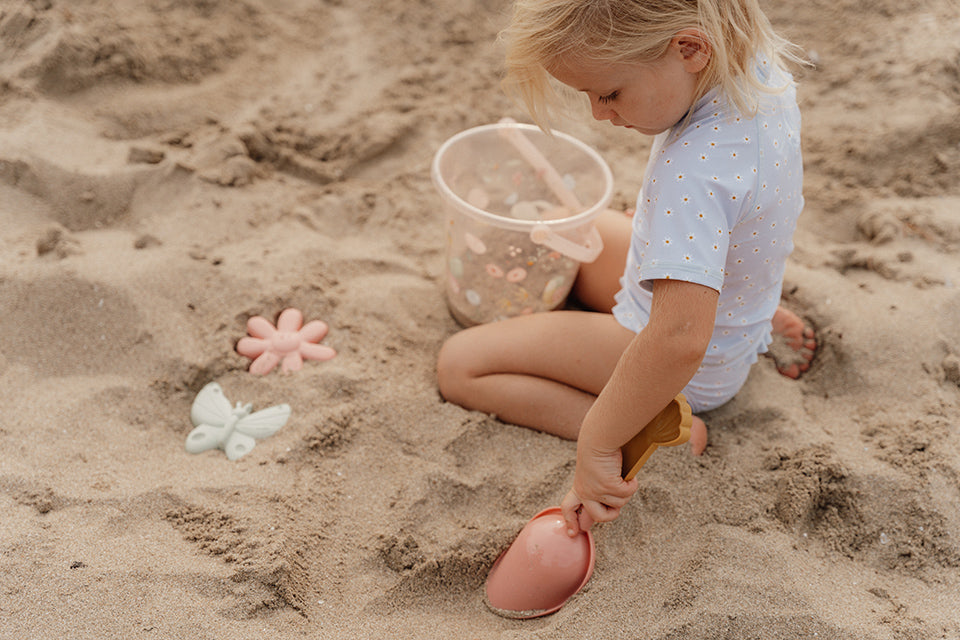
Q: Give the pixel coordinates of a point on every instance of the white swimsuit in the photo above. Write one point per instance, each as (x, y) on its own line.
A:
(719, 206)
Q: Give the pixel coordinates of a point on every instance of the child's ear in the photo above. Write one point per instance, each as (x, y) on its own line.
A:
(695, 49)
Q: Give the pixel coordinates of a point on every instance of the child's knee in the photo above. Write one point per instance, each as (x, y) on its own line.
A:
(451, 372)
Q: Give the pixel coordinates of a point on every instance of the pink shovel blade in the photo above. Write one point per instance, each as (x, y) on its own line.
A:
(544, 567)
(541, 570)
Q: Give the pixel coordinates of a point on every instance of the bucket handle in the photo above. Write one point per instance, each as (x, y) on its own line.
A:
(586, 252)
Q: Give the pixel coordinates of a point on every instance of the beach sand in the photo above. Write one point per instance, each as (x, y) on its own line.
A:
(170, 168)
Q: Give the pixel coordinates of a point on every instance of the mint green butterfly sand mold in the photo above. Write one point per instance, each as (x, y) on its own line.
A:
(218, 425)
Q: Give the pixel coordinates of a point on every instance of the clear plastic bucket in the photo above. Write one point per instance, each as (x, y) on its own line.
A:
(520, 210)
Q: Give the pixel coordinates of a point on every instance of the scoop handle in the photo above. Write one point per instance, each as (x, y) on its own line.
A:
(541, 165)
(669, 428)
(586, 252)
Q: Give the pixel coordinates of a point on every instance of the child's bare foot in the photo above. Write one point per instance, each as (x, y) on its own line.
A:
(794, 344)
(698, 436)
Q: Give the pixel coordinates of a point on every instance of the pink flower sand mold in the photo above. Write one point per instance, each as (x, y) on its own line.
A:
(289, 343)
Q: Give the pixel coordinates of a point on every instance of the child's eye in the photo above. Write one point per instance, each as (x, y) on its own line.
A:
(610, 97)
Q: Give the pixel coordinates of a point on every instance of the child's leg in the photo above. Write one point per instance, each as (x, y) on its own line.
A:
(542, 371)
(598, 281)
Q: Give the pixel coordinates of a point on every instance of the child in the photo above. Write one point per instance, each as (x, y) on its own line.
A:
(686, 292)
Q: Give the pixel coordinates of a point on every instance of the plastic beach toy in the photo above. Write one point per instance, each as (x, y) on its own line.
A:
(288, 343)
(233, 429)
(544, 567)
(669, 428)
(520, 208)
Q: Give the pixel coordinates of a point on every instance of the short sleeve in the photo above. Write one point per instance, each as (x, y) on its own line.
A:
(692, 198)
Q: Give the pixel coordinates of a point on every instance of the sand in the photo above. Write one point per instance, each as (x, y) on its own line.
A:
(170, 168)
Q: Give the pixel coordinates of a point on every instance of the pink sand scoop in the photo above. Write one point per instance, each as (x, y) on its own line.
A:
(544, 567)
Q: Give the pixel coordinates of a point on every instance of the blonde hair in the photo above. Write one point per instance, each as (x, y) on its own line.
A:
(541, 32)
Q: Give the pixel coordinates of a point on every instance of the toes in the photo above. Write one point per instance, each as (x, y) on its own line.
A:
(804, 341)
(791, 371)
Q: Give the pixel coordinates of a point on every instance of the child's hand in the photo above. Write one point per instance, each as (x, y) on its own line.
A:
(598, 491)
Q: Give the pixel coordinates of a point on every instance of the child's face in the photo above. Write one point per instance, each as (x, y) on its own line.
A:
(650, 98)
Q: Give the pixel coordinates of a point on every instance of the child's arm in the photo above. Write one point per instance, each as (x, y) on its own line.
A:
(656, 366)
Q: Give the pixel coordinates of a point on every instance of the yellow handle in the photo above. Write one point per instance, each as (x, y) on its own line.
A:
(668, 428)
